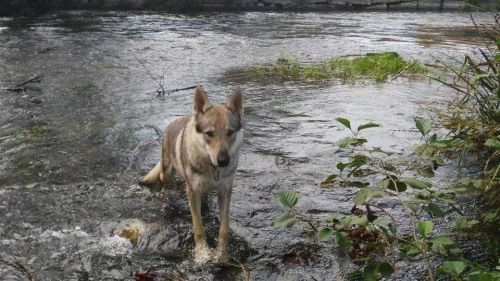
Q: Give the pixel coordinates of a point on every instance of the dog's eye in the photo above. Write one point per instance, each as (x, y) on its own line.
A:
(230, 133)
(210, 134)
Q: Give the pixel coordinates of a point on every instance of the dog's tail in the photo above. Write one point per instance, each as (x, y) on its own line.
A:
(153, 176)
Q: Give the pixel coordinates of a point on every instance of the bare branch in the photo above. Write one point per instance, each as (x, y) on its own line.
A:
(19, 266)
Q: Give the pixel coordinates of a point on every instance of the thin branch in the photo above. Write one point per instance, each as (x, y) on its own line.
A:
(384, 211)
(16, 89)
(241, 266)
(36, 79)
(402, 71)
(19, 266)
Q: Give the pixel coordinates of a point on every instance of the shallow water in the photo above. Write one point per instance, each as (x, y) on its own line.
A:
(69, 200)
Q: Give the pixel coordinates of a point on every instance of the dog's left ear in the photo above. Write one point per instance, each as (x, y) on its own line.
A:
(235, 102)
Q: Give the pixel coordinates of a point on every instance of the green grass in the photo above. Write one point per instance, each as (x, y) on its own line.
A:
(378, 67)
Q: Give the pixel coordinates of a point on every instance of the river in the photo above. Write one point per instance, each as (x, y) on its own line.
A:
(73, 146)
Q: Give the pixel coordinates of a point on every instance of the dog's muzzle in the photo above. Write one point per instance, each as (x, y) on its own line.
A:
(223, 158)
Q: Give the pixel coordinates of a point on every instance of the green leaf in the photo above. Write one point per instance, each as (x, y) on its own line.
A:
(456, 267)
(344, 241)
(433, 138)
(425, 171)
(442, 240)
(392, 228)
(399, 184)
(434, 209)
(366, 193)
(284, 220)
(478, 276)
(493, 143)
(438, 160)
(341, 166)
(425, 227)
(344, 122)
(377, 245)
(412, 207)
(360, 198)
(361, 141)
(361, 221)
(381, 221)
(385, 269)
(462, 223)
(389, 183)
(366, 126)
(328, 180)
(332, 217)
(345, 142)
(353, 273)
(418, 184)
(325, 233)
(287, 197)
(423, 125)
(370, 273)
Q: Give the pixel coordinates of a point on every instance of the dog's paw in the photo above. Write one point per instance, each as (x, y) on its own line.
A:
(221, 256)
(203, 254)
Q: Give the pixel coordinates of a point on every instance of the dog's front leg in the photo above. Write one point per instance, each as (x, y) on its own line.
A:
(201, 251)
(224, 198)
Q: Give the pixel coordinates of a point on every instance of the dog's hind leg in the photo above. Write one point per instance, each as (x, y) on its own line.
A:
(224, 197)
(201, 251)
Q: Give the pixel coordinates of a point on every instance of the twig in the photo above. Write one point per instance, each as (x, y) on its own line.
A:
(240, 266)
(156, 129)
(402, 71)
(19, 266)
(36, 79)
(182, 89)
(383, 210)
(16, 89)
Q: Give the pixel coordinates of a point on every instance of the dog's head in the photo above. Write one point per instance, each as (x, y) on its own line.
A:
(219, 126)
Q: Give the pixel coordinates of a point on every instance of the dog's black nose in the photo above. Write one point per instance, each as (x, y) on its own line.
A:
(223, 158)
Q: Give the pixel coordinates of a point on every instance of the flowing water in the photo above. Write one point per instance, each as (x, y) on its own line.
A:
(73, 146)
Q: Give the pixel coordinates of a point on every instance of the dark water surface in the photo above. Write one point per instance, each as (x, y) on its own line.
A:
(73, 146)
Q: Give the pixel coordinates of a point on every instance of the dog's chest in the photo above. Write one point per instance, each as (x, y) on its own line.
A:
(208, 180)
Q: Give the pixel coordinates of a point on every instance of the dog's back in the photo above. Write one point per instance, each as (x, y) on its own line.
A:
(165, 166)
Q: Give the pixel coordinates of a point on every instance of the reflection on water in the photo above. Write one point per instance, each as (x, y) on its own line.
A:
(68, 194)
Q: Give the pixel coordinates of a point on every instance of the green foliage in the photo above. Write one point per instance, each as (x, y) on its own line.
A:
(373, 241)
(378, 67)
(474, 123)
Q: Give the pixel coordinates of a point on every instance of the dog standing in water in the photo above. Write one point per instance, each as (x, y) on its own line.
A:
(204, 149)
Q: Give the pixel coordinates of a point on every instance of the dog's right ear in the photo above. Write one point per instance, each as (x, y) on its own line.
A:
(200, 102)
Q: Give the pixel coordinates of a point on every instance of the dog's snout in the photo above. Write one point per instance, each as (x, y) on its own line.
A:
(223, 158)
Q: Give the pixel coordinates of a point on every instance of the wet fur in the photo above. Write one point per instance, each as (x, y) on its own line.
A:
(192, 146)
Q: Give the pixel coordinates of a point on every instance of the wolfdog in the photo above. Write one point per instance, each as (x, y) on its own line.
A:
(204, 149)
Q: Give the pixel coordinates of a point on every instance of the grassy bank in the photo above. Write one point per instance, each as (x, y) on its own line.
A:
(378, 67)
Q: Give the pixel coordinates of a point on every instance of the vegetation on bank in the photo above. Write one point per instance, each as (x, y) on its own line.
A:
(25, 8)
(378, 67)
(369, 234)
(480, 5)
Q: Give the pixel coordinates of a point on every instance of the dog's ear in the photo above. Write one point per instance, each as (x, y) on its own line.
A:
(235, 102)
(200, 102)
